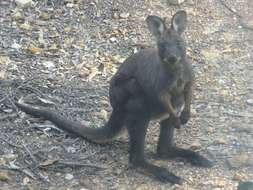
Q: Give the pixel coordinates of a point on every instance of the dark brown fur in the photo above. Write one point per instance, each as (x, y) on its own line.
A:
(154, 83)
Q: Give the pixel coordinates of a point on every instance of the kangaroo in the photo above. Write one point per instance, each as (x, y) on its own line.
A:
(154, 83)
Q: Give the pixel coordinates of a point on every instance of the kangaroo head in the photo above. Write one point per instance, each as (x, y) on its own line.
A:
(171, 46)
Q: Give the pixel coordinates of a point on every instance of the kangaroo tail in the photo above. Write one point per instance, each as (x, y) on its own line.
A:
(101, 135)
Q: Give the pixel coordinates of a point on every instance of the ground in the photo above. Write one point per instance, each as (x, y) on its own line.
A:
(65, 52)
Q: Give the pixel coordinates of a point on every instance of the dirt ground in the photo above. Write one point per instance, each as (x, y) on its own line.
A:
(64, 53)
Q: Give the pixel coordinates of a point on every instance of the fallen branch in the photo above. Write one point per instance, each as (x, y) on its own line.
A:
(31, 155)
(71, 164)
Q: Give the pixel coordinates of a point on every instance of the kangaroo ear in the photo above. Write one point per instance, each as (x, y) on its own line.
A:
(155, 25)
(179, 22)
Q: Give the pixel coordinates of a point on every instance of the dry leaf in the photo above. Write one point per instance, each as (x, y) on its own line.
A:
(84, 72)
(53, 48)
(4, 176)
(67, 29)
(44, 16)
(16, 15)
(4, 60)
(93, 72)
(45, 101)
(49, 162)
(124, 15)
(117, 59)
(68, 41)
(3, 74)
(34, 50)
(103, 115)
(210, 54)
(25, 26)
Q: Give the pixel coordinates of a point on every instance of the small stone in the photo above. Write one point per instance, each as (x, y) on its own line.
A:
(250, 102)
(124, 15)
(238, 177)
(195, 145)
(175, 2)
(49, 64)
(115, 15)
(69, 176)
(16, 46)
(4, 176)
(220, 183)
(70, 5)
(113, 39)
(221, 141)
(26, 180)
(84, 72)
(23, 3)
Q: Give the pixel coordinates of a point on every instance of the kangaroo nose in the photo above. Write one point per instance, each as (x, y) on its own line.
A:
(172, 59)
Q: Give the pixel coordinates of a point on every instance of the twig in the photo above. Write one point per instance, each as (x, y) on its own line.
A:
(75, 164)
(46, 126)
(10, 143)
(17, 168)
(238, 115)
(8, 116)
(35, 90)
(31, 155)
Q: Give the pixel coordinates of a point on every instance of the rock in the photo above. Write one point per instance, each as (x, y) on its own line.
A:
(26, 180)
(239, 161)
(49, 64)
(16, 46)
(23, 3)
(210, 130)
(195, 145)
(175, 2)
(4, 176)
(245, 185)
(69, 176)
(238, 176)
(113, 39)
(249, 102)
(221, 141)
(124, 15)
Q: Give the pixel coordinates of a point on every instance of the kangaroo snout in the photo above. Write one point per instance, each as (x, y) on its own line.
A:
(171, 60)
